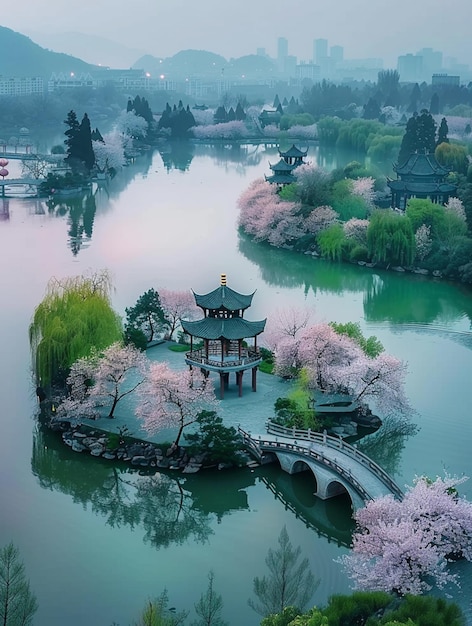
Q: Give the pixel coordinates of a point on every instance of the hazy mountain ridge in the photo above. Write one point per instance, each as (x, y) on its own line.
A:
(23, 57)
(89, 48)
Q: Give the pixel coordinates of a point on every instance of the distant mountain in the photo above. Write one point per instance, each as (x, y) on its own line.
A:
(184, 64)
(23, 57)
(201, 63)
(90, 48)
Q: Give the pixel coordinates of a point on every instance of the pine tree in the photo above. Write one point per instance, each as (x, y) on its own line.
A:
(85, 149)
(434, 105)
(409, 141)
(72, 134)
(442, 132)
(426, 132)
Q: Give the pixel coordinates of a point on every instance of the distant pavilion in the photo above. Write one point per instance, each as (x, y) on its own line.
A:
(282, 171)
(224, 330)
(421, 176)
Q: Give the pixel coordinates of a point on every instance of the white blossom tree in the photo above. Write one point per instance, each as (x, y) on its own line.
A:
(177, 305)
(103, 380)
(109, 153)
(404, 546)
(173, 399)
(131, 125)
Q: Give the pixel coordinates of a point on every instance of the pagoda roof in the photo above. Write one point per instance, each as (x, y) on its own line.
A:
(419, 164)
(281, 178)
(220, 328)
(223, 297)
(421, 187)
(282, 166)
(293, 152)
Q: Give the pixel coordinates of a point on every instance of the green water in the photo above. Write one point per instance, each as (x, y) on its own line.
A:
(99, 540)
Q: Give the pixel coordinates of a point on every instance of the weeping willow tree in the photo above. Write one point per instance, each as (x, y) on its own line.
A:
(74, 317)
(390, 238)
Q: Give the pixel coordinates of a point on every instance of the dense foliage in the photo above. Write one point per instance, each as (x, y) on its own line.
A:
(74, 317)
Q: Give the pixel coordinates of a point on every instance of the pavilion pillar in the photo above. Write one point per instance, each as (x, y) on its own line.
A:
(254, 378)
(240, 383)
(222, 385)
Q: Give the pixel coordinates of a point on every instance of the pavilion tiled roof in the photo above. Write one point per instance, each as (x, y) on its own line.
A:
(223, 297)
(282, 166)
(233, 328)
(293, 152)
(422, 165)
(281, 178)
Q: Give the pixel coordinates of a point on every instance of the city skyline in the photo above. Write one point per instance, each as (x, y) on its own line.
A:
(387, 32)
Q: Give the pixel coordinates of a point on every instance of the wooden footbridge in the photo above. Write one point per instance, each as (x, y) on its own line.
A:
(337, 466)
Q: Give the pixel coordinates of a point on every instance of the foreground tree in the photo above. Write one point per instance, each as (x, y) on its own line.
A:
(290, 582)
(177, 305)
(103, 380)
(404, 546)
(209, 606)
(158, 613)
(146, 315)
(74, 317)
(17, 603)
(172, 399)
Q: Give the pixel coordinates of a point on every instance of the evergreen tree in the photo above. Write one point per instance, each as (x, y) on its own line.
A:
(72, 134)
(442, 132)
(371, 110)
(17, 603)
(434, 105)
(220, 115)
(409, 141)
(85, 150)
(276, 102)
(240, 114)
(97, 135)
(426, 132)
(231, 115)
(415, 98)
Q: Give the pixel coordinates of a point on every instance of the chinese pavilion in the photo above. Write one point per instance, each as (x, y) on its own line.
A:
(420, 177)
(283, 169)
(224, 330)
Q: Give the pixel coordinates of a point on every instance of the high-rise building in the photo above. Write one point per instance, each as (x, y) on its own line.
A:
(320, 50)
(282, 48)
(410, 68)
(336, 53)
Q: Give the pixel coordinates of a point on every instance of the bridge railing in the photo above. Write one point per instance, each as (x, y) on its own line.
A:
(336, 443)
(287, 446)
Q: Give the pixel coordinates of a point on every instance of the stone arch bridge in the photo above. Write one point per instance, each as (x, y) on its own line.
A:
(336, 466)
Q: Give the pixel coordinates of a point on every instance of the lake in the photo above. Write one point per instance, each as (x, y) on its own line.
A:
(99, 540)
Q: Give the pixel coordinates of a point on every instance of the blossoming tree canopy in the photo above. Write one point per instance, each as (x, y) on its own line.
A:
(173, 399)
(406, 546)
(103, 380)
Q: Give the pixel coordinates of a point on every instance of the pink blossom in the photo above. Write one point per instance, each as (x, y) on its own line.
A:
(319, 219)
(399, 546)
(173, 399)
(356, 229)
(177, 305)
(364, 187)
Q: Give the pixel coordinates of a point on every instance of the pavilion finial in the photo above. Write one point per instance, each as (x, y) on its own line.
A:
(223, 280)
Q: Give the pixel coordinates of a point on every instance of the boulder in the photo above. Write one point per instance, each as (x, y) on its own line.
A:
(191, 468)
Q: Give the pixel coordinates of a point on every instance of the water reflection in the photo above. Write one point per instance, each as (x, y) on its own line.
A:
(170, 509)
(385, 446)
(331, 519)
(285, 268)
(80, 211)
(177, 155)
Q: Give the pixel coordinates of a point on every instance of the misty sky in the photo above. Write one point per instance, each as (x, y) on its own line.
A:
(366, 28)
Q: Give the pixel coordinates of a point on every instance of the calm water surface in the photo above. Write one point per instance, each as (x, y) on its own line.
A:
(99, 540)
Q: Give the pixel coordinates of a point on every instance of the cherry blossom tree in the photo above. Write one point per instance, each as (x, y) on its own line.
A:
(404, 546)
(102, 380)
(109, 153)
(336, 361)
(320, 218)
(227, 130)
(177, 305)
(268, 218)
(456, 207)
(173, 399)
(364, 187)
(356, 229)
(131, 125)
(423, 242)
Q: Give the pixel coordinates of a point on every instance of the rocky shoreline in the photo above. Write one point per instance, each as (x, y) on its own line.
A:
(137, 453)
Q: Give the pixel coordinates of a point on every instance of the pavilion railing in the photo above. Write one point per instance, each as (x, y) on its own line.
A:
(230, 359)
